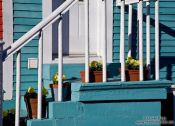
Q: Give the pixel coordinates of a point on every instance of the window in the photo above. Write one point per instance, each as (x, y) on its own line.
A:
(73, 31)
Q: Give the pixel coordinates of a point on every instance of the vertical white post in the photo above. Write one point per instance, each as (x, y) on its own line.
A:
(140, 14)
(104, 43)
(86, 41)
(130, 30)
(40, 64)
(122, 40)
(148, 35)
(60, 61)
(157, 39)
(18, 81)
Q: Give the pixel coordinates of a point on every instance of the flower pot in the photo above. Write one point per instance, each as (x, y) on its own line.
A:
(94, 76)
(66, 91)
(133, 75)
(31, 105)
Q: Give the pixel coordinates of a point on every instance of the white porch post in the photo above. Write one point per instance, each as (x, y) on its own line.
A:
(157, 40)
(1, 80)
(104, 43)
(18, 81)
(130, 30)
(148, 36)
(122, 40)
(40, 64)
(60, 61)
(140, 20)
(86, 41)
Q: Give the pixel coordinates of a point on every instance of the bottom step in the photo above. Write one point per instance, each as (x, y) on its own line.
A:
(103, 114)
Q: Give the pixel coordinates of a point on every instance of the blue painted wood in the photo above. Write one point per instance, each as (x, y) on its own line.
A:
(102, 114)
(147, 90)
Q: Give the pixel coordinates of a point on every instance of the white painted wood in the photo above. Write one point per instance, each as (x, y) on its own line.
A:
(140, 14)
(157, 40)
(60, 62)
(8, 39)
(76, 31)
(104, 58)
(30, 34)
(122, 40)
(148, 46)
(130, 31)
(47, 32)
(87, 41)
(18, 82)
(40, 64)
(127, 2)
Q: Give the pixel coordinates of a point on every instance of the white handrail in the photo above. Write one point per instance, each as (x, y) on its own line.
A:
(30, 34)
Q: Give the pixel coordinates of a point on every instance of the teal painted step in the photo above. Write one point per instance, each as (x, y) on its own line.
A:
(147, 90)
(100, 114)
(126, 109)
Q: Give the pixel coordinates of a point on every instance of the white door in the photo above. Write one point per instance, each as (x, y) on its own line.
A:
(73, 30)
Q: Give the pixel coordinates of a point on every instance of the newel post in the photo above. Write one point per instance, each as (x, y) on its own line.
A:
(1, 79)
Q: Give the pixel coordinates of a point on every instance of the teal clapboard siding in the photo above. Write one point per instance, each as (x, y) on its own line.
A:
(167, 36)
(26, 14)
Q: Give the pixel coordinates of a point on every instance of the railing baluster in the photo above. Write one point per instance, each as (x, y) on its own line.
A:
(104, 43)
(122, 40)
(18, 81)
(140, 20)
(60, 61)
(86, 41)
(148, 36)
(40, 63)
(157, 39)
(130, 30)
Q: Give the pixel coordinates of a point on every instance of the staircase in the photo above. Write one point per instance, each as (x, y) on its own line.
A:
(111, 104)
(102, 104)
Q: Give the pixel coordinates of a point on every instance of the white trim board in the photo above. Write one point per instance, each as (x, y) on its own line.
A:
(127, 2)
(8, 39)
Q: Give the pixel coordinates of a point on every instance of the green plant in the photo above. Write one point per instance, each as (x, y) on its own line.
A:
(96, 66)
(55, 78)
(31, 92)
(132, 64)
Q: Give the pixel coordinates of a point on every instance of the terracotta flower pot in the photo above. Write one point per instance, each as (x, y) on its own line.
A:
(95, 76)
(66, 91)
(133, 75)
(31, 104)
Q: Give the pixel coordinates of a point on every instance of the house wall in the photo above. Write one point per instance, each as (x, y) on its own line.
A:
(27, 13)
(167, 37)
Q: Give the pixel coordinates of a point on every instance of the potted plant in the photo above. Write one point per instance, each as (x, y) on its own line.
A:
(31, 101)
(95, 73)
(9, 117)
(132, 70)
(54, 88)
